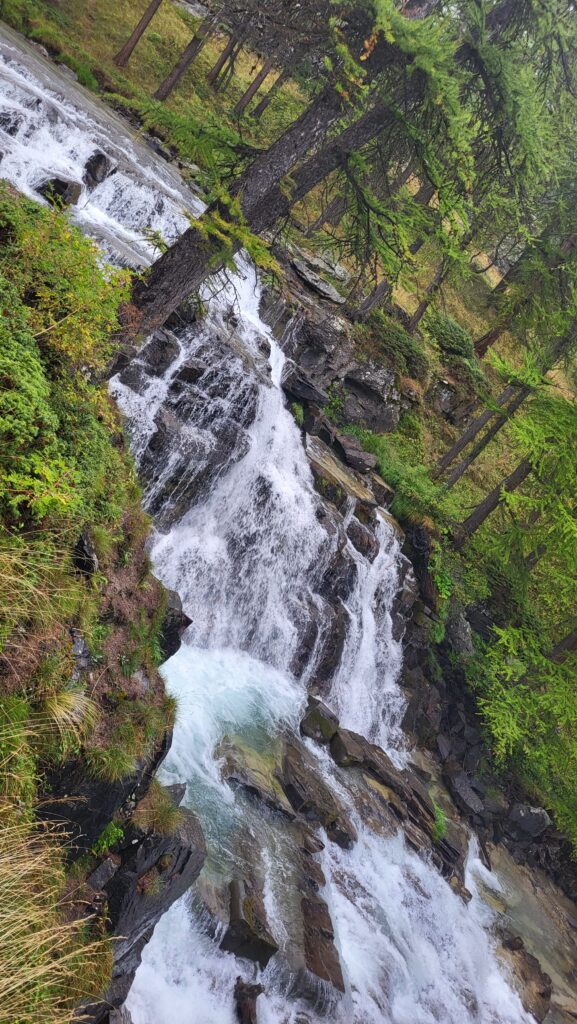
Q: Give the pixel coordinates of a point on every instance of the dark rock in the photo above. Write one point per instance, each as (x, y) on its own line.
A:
(331, 648)
(84, 556)
(444, 746)
(310, 795)
(363, 539)
(254, 772)
(157, 148)
(463, 793)
(97, 168)
(84, 805)
(174, 624)
(10, 121)
(191, 371)
(528, 821)
(160, 352)
(60, 191)
(312, 279)
(102, 874)
(383, 493)
(319, 722)
(299, 386)
(154, 872)
(443, 398)
(245, 997)
(351, 450)
(459, 634)
(321, 955)
(532, 984)
(372, 398)
(176, 792)
(248, 934)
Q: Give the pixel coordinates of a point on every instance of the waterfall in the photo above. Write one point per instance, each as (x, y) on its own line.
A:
(240, 535)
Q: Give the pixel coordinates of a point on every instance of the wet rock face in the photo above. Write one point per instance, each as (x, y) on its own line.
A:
(202, 426)
(321, 955)
(372, 398)
(174, 624)
(154, 871)
(311, 797)
(319, 723)
(245, 997)
(97, 168)
(61, 191)
(530, 981)
(248, 935)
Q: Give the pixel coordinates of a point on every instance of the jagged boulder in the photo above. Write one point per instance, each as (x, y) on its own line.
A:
(533, 985)
(174, 624)
(319, 722)
(371, 396)
(60, 191)
(314, 281)
(525, 821)
(312, 797)
(97, 168)
(245, 997)
(255, 772)
(248, 934)
(321, 954)
(298, 385)
(154, 871)
(83, 805)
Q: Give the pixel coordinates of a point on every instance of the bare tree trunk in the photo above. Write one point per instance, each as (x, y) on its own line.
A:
(566, 646)
(332, 214)
(471, 432)
(484, 509)
(379, 294)
(123, 56)
(483, 344)
(492, 432)
(254, 86)
(188, 56)
(221, 61)
(441, 274)
(227, 72)
(270, 95)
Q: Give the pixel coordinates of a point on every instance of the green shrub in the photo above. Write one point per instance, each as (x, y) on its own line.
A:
(404, 351)
(440, 826)
(448, 334)
(109, 837)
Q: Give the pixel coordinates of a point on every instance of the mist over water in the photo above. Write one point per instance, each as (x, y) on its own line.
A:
(245, 558)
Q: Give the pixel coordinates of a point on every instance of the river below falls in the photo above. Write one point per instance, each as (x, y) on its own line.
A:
(412, 952)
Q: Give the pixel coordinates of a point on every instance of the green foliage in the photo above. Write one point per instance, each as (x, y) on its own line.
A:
(528, 704)
(403, 350)
(448, 334)
(157, 811)
(440, 826)
(109, 837)
(298, 413)
(335, 406)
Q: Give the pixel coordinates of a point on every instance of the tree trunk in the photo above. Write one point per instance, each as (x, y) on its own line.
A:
(471, 432)
(483, 344)
(492, 432)
(484, 509)
(332, 214)
(192, 50)
(270, 95)
(185, 265)
(566, 646)
(223, 79)
(123, 56)
(254, 86)
(221, 61)
(441, 274)
(376, 298)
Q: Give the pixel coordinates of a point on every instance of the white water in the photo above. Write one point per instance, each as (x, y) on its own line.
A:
(246, 559)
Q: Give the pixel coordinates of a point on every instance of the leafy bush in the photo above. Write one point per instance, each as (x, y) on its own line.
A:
(109, 837)
(448, 334)
(404, 351)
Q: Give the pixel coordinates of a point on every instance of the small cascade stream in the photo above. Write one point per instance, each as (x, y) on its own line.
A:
(244, 539)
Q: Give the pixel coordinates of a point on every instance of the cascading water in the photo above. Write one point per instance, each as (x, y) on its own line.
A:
(247, 549)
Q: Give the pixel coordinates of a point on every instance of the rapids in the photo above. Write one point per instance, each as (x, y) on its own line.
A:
(245, 558)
